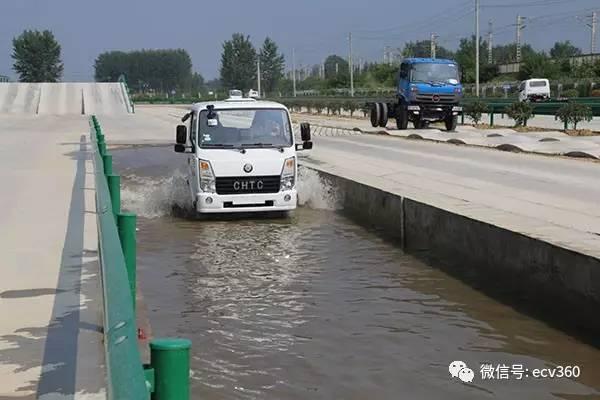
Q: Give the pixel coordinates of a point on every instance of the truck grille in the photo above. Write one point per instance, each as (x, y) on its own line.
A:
(248, 184)
(442, 98)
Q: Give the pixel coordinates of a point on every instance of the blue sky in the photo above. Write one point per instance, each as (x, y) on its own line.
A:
(314, 28)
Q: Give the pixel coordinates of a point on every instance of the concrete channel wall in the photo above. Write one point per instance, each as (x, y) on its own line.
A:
(540, 278)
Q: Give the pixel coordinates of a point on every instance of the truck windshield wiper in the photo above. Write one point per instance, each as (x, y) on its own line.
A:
(217, 145)
(260, 144)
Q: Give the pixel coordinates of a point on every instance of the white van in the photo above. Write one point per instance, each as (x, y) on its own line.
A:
(534, 90)
(241, 155)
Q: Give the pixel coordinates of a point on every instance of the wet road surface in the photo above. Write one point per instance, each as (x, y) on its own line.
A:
(315, 306)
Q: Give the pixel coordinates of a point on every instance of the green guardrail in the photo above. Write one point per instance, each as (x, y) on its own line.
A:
(166, 377)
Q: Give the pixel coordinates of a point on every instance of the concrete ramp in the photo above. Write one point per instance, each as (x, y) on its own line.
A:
(19, 98)
(64, 98)
(105, 98)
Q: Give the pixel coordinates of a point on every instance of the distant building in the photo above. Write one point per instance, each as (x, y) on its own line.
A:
(3, 78)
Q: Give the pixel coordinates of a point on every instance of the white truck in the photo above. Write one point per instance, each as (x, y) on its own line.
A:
(241, 155)
(534, 90)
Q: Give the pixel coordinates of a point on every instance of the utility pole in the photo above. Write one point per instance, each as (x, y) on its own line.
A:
(490, 40)
(258, 76)
(385, 55)
(294, 70)
(433, 45)
(351, 66)
(594, 29)
(520, 28)
(593, 24)
(477, 47)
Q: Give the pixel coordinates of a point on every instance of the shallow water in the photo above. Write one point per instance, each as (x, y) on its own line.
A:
(314, 306)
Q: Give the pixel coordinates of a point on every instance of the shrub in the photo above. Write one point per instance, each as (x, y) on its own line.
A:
(521, 112)
(574, 113)
(350, 106)
(318, 106)
(475, 110)
(570, 93)
(366, 109)
(335, 107)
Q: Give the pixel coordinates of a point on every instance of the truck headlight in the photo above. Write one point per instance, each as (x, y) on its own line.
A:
(288, 174)
(207, 177)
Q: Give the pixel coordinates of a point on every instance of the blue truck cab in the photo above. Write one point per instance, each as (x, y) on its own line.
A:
(429, 90)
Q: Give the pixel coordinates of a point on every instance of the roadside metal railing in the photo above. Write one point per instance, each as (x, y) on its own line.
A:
(166, 377)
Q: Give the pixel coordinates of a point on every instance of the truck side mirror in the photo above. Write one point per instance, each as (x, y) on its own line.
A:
(179, 148)
(181, 136)
(305, 131)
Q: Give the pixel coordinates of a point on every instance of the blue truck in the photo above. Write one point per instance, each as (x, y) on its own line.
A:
(429, 90)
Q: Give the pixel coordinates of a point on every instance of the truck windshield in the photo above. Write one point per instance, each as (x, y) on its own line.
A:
(446, 73)
(245, 128)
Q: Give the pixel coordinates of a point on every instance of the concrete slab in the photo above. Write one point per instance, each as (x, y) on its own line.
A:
(50, 295)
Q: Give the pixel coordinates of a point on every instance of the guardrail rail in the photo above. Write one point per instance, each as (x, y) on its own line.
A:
(166, 377)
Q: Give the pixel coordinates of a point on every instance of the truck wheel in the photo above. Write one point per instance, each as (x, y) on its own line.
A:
(375, 115)
(402, 118)
(451, 122)
(383, 117)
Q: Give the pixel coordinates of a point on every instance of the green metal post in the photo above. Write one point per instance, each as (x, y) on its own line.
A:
(170, 359)
(492, 118)
(108, 166)
(566, 125)
(114, 187)
(102, 148)
(462, 118)
(126, 223)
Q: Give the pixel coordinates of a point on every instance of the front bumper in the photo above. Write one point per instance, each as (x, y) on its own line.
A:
(433, 112)
(259, 202)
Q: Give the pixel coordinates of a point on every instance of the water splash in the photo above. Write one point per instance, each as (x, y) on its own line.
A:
(316, 193)
(153, 197)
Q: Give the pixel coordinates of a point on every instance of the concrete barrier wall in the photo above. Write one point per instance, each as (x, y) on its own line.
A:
(539, 278)
(63, 98)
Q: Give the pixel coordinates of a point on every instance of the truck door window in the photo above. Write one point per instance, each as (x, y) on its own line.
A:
(404, 71)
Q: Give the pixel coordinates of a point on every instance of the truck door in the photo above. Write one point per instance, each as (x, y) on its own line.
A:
(192, 159)
(403, 81)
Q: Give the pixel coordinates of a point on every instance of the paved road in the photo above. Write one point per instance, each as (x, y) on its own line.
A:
(546, 142)
(550, 198)
(50, 295)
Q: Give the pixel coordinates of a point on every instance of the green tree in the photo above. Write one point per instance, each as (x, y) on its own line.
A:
(162, 70)
(562, 50)
(505, 54)
(465, 56)
(337, 72)
(539, 66)
(272, 65)
(37, 57)
(422, 49)
(238, 63)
